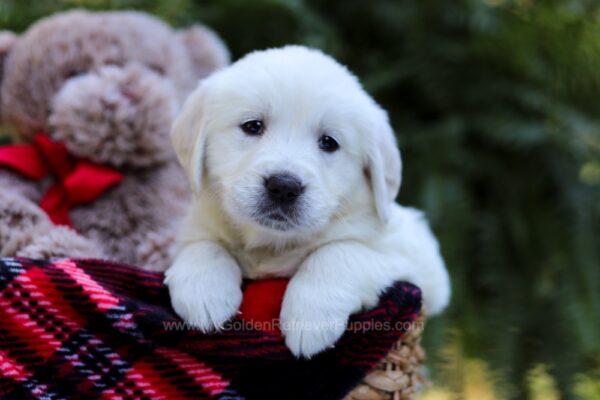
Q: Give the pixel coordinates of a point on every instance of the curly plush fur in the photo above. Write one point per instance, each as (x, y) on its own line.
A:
(130, 100)
(107, 85)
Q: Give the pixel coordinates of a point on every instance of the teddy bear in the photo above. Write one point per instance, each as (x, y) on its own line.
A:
(90, 97)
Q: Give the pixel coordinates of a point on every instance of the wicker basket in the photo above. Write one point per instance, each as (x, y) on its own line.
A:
(399, 375)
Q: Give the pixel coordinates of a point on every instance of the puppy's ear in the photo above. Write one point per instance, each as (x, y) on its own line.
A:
(188, 138)
(384, 165)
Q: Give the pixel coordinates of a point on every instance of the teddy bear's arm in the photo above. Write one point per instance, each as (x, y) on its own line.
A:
(14, 183)
(26, 231)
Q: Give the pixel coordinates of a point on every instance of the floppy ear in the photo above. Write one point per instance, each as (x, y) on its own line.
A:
(384, 165)
(188, 138)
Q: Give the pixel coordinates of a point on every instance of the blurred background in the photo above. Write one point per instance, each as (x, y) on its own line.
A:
(496, 105)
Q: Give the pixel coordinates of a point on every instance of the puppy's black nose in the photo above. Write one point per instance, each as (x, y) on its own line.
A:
(283, 188)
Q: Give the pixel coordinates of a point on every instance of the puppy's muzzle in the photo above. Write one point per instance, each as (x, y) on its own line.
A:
(283, 189)
(281, 202)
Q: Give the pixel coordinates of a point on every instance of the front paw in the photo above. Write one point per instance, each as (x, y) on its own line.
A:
(205, 306)
(310, 321)
(205, 299)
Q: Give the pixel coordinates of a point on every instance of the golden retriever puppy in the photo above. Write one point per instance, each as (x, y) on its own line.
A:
(295, 169)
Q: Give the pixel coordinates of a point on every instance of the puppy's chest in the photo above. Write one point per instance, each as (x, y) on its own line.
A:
(257, 264)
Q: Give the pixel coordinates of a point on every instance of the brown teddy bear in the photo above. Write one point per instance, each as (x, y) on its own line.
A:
(91, 97)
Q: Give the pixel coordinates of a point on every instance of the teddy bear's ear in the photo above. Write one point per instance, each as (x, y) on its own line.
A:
(206, 49)
(7, 40)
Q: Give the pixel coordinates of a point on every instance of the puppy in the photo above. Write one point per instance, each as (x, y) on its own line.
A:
(294, 170)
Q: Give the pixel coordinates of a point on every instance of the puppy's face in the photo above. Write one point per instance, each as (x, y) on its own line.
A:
(283, 159)
(287, 139)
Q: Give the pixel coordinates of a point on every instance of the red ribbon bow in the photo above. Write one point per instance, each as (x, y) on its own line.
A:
(75, 181)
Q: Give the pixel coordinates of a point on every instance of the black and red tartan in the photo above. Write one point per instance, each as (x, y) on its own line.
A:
(89, 329)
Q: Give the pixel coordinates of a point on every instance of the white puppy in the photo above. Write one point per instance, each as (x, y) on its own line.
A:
(295, 170)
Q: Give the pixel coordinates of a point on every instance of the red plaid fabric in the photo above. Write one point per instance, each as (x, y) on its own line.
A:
(90, 329)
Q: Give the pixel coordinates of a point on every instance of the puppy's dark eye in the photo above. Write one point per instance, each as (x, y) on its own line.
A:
(328, 144)
(253, 128)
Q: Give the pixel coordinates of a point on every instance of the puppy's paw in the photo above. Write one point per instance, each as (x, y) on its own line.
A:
(205, 297)
(205, 305)
(311, 322)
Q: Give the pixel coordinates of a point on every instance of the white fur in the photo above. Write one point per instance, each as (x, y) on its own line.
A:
(350, 241)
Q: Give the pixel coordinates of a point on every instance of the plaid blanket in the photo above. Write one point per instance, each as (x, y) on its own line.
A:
(75, 328)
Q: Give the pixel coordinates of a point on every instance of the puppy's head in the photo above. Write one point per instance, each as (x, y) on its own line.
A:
(287, 139)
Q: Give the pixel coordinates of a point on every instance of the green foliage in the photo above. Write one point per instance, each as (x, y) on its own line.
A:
(497, 111)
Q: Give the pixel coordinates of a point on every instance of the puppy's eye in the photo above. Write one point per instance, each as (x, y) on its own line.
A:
(328, 144)
(253, 128)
